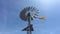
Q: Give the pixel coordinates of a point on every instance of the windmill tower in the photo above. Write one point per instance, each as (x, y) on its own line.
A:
(28, 14)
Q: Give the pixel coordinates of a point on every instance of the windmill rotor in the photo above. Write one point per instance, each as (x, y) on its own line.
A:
(33, 13)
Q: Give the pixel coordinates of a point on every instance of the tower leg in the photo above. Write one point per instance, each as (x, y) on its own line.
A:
(30, 32)
(27, 32)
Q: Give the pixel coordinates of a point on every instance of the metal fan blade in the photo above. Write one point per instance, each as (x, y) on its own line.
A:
(36, 14)
(31, 18)
(35, 17)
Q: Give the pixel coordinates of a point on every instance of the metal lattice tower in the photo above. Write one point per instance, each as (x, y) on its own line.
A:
(28, 14)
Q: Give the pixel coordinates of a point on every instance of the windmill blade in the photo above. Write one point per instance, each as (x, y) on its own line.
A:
(34, 17)
(31, 18)
(36, 14)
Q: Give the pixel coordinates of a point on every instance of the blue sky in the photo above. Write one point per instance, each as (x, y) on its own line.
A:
(10, 23)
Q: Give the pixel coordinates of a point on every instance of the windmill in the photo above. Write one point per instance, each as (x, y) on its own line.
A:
(28, 14)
